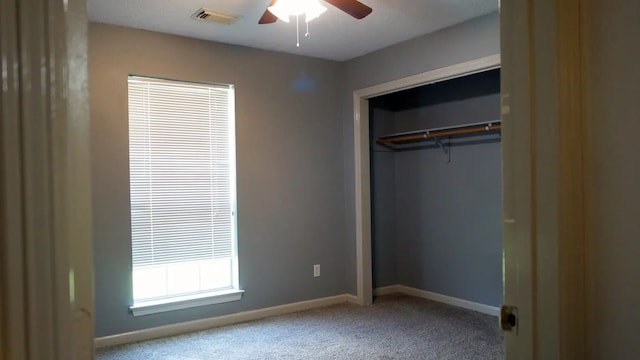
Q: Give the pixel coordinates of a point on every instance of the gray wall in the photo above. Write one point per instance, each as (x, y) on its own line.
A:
(289, 169)
(449, 216)
(444, 221)
(463, 42)
(383, 209)
(614, 157)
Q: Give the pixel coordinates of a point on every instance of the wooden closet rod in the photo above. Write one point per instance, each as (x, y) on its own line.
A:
(437, 133)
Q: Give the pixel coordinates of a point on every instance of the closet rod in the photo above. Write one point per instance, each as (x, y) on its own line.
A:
(440, 132)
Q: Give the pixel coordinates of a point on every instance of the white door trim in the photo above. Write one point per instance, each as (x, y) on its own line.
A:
(361, 149)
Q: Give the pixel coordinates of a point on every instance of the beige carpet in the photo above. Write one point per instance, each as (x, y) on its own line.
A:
(395, 327)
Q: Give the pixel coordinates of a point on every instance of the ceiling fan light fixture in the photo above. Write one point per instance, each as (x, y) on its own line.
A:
(314, 11)
(284, 9)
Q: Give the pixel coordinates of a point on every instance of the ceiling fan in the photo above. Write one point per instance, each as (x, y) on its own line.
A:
(352, 7)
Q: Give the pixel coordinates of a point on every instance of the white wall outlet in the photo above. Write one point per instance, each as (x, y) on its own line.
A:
(316, 270)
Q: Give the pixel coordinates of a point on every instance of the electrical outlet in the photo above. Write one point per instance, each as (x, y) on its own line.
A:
(316, 270)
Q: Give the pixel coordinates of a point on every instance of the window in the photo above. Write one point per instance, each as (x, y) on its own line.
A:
(183, 199)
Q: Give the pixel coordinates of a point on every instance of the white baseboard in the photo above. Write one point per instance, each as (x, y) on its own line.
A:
(352, 299)
(466, 304)
(203, 324)
(387, 290)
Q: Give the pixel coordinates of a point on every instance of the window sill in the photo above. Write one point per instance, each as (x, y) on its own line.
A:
(185, 302)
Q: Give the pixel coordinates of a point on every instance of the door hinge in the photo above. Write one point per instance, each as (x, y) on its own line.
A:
(509, 318)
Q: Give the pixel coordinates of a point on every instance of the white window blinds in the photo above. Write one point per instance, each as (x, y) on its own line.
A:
(182, 178)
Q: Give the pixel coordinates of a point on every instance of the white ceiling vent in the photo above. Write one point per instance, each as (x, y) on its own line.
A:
(214, 16)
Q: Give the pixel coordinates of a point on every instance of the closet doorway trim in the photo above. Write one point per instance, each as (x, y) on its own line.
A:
(361, 155)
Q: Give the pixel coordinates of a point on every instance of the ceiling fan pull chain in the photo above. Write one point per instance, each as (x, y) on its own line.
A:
(307, 35)
(297, 30)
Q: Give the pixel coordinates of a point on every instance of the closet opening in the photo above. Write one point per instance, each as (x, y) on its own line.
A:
(361, 160)
(435, 163)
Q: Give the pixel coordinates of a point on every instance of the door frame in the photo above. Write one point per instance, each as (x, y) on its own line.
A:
(361, 150)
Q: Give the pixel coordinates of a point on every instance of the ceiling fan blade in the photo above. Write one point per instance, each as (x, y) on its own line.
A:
(268, 17)
(352, 7)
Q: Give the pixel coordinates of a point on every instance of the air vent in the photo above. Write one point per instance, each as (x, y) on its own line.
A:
(214, 16)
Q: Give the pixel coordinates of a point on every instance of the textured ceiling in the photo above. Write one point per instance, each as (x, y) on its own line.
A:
(335, 35)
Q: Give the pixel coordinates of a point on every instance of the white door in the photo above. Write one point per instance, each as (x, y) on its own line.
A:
(46, 291)
(543, 177)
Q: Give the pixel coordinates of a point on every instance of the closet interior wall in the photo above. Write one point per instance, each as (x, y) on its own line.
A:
(437, 224)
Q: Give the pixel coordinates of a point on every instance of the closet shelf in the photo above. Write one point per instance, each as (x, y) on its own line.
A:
(437, 133)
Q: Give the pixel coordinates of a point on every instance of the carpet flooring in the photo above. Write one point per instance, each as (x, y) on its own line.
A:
(394, 327)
